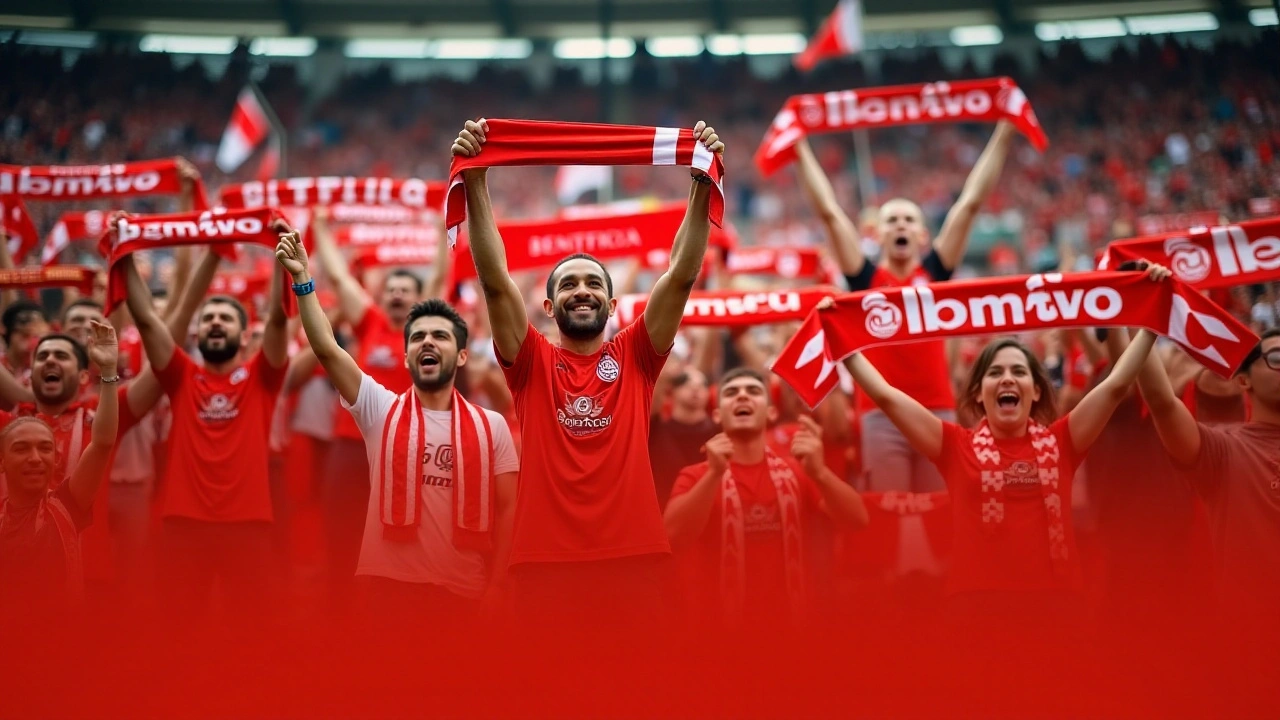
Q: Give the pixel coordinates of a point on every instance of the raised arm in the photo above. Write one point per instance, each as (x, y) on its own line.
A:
(1178, 430)
(1093, 411)
(93, 463)
(440, 269)
(508, 318)
(275, 334)
(954, 236)
(353, 301)
(12, 391)
(846, 242)
(665, 309)
(156, 339)
(687, 513)
(839, 500)
(921, 427)
(342, 370)
(8, 296)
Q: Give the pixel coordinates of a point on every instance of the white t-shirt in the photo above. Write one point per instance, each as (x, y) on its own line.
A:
(433, 558)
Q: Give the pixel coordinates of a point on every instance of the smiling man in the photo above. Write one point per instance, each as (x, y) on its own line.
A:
(588, 546)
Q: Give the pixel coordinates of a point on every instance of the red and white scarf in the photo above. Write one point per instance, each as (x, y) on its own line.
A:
(733, 552)
(733, 308)
(91, 182)
(366, 234)
(784, 262)
(18, 226)
(311, 191)
(1007, 305)
(534, 142)
(75, 276)
(377, 214)
(1048, 457)
(400, 472)
(1247, 253)
(987, 100)
(383, 256)
(72, 227)
(1158, 224)
(221, 230)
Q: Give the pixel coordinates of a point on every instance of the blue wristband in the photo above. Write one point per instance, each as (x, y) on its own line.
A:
(305, 288)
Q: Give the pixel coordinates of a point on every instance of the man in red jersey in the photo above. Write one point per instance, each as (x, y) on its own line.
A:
(742, 515)
(217, 505)
(588, 544)
(920, 369)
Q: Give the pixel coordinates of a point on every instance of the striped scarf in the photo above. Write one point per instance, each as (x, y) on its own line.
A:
(733, 561)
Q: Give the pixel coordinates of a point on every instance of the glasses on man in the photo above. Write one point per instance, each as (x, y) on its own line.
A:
(1272, 359)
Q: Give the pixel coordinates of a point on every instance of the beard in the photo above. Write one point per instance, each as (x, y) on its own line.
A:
(230, 348)
(581, 329)
(67, 393)
(442, 379)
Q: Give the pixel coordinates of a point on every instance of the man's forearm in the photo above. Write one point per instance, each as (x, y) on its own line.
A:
(690, 246)
(843, 502)
(315, 323)
(487, 251)
(687, 514)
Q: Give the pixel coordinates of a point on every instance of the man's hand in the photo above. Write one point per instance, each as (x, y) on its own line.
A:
(103, 348)
(1157, 272)
(806, 446)
(469, 143)
(187, 172)
(707, 136)
(289, 251)
(718, 449)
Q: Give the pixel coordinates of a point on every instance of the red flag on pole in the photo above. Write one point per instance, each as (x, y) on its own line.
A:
(247, 129)
(840, 34)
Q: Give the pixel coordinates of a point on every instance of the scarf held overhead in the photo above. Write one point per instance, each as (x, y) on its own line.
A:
(962, 101)
(87, 182)
(222, 230)
(399, 474)
(72, 227)
(1209, 257)
(533, 142)
(734, 308)
(18, 227)
(1007, 305)
(75, 276)
(311, 191)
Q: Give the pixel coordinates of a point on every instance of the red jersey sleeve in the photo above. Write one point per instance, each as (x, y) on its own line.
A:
(173, 373)
(519, 370)
(687, 478)
(639, 345)
(954, 439)
(272, 378)
(1070, 455)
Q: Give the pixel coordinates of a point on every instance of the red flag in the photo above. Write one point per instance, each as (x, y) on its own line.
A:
(247, 129)
(18, 226)
(840, 34)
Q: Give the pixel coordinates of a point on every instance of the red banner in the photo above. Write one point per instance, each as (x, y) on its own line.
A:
(86, 182)
(18, 227)
(376, 214)
(245, 286)
(1212, 257)
(72, 227)
(734, 308)
(1259, 207)
(988, 100)
(364, 234)
(393, 256)
(310, 191)
(60, 276)
(891, 316)
(1157, 224)
(782, 262)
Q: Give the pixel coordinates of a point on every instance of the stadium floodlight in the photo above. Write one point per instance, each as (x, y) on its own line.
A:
(53, 38)
(283, 46)
(724, 45)
(510, 49)
(1263, 17)
(188, 44)
(387, 49)
(674, 46)
(593, 48)
(1081, 29)
(974, 35)
(774, 44)
(1174, 23)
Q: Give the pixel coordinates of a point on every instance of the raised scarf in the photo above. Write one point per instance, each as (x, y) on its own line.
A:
(1048, 457)
(733, 308)
(534, 142)
(1219, 256)
(783, 262)
(733, 556)
(399, 474)
(90, 182)
(1159, 224)
(73, 226)
(1008, 305)
(367, 234)
(75, 276)
(382, 256)
(311, 191)
(18, 227)
(987, 100)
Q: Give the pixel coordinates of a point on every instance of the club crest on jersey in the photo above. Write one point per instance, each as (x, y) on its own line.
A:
(240, 375)
(608, 369)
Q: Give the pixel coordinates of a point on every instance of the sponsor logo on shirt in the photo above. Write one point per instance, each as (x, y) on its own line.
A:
(438, 459)
(761, 519)
(581, 415)
(1022, 478)
(219, 408)
(608, 369)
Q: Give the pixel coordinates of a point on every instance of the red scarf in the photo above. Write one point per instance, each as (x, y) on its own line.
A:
(1158, 224)
(311, 191)
(75, 276)
(376, 214)
(733, 308)
(73, 226)
(535, 142)
(222, 230)
(963, 101)
(1048, 456)
(1209, 257)
(18, 226)
(400, 474)
(366, 234)
(90, 182)
(733, 556)
(1006, 305)
(784, 262)
(52, 510)
(393, 256)
(535, 244)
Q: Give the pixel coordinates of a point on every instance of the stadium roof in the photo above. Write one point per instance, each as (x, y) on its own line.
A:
(562, 18)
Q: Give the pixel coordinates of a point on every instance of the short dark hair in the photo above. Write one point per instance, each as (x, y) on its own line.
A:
(435, 307)
(82, 302)
(1256, 353)
(741, 372)
(551, 286)
(82, 357)
(401, 272)
(228, 300)
(22, 312)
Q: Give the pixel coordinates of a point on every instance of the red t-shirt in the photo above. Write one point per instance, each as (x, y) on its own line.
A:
(1015, 556)
(380, 354)
(586, 488)
(766, 583)
(218, 452)
(918, 369)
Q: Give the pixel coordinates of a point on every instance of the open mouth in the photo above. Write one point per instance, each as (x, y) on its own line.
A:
(1007, 400)
(901, 241)
(582, 308)
(744, 411)
(51, 377)
(428, 361)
